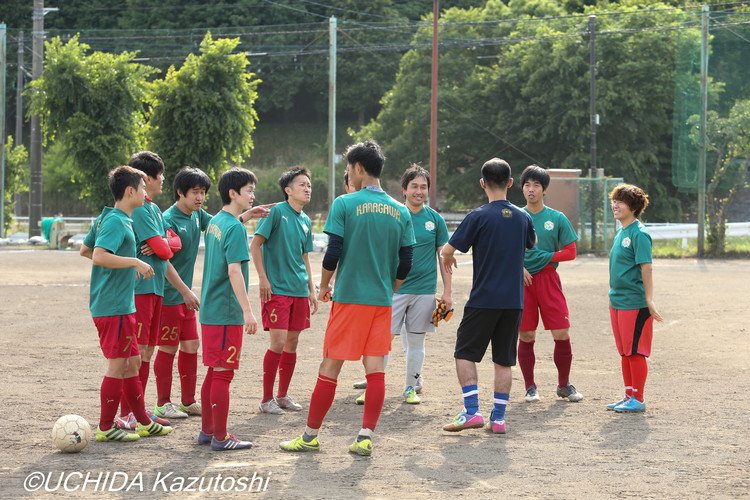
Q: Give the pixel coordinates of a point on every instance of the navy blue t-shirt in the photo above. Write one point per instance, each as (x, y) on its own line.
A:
(499, 234)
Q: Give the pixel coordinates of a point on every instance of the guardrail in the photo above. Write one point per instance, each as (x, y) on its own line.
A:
(668, 231)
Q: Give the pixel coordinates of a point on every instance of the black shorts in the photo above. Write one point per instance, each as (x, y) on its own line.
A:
(479, 327)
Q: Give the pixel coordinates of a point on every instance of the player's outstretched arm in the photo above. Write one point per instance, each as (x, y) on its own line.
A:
(104, 258)
(191, 300)
(258, 212)
(447, 278)
(238, 287)
(448, 259)
(648, 286)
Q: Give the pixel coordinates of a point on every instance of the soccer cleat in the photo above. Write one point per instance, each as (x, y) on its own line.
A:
(193, 408)
(418, 385)
(612, 406)
(361, 399)
(204, 438)
(230, 443)
(159, 420)
(632, 405)
(362, 448)
(169, 410)
(271, 407)
(496, 427)
(410, 396)
(298, 444)
(116, 434)
(532, 396)
(287, 403)
(126, 422)
(362, 384)
(464, 421)
(570, 393)
(152, 429)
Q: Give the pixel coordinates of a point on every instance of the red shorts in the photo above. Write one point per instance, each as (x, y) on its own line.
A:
(356, 330)
(117, 336)
(177, 324)
(222, 345)
(544, 296)
(286, 313)
(148, 317)
(633, 329)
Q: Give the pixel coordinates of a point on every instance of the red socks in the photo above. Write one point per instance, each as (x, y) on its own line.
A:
(563, 357)
(207, 418)
(220, 402)
(143, 374)
(109, 397)
(374, 397)
(133, 394)
(187, 367)
(286, 369)
(626, 376)
(526, 361)
(270, 367)
(163, 373)
(638, 373)
(321, 401)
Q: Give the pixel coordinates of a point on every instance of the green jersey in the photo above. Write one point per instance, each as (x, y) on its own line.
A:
(288, 237)
(374, 226)
(90, 239)
(111, 290)
(147, 223)
(430, 233)
(553, 232)
(226, 243)
(631, 248)
(189, 229)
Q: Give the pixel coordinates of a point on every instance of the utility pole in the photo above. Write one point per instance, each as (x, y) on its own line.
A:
(3, 39)
(331, 110)
(35, 185)
(18, 138)
(703, 126)
(594, 121)
(433, 105)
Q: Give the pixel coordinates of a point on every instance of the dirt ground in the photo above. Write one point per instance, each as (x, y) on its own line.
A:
(692, 441)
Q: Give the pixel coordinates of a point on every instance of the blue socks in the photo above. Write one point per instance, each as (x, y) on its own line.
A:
(471, 398)
(501, 401)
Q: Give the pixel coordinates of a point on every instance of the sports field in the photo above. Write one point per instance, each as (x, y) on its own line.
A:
(692, 441)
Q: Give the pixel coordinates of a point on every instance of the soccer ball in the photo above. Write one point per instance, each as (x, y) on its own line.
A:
(71, 433)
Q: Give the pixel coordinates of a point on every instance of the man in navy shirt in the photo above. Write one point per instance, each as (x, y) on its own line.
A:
(498, 234)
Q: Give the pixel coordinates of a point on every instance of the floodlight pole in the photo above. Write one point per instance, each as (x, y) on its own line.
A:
(703, 141)
(433, 106)
(594, 121)
(331, 110)
(37, 61)
(3, 40)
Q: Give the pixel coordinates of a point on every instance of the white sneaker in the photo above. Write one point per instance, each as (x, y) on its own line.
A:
(191, 409)
(532, 396)
(169, 410)
(271, 407)
(418, 385)
(570, 393)
(287, 403)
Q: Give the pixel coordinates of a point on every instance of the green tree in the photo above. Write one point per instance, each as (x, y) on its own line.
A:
(16, 177)
(728, 144)
(92, 104)
(203, 113)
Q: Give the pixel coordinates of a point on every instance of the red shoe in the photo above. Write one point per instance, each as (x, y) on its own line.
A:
(126, 423)
(158, 420)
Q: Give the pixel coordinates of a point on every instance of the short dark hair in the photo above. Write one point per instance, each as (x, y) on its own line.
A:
(368, 154)
(496, 173)
(535, 173)
(346, 179)
(634, 197)
(121, 178)
(289, 176)
(235, 178)
(188, 178)
(148, 162)
(411, 173)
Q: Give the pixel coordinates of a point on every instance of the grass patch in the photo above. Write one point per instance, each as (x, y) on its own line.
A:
(736, 247)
